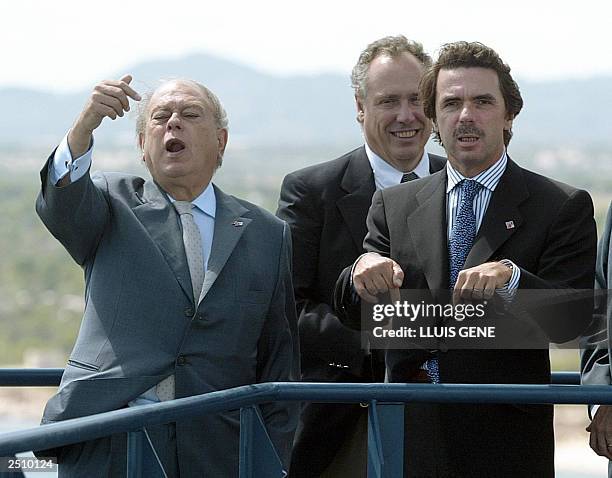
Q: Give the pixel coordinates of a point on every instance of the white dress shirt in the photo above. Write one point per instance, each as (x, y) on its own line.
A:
(386, 175)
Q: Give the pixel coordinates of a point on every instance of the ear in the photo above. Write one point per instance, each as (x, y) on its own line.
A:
(141, 141)
(222, 136)
(508, 123)
(360, 113)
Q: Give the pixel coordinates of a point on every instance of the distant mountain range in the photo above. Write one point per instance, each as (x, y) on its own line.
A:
(267, 110)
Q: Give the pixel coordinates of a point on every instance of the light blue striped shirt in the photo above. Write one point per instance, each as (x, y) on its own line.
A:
(488, 179)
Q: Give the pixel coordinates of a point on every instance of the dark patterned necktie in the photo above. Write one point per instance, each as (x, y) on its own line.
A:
(408, 177)
(464, 230)
(461, 241)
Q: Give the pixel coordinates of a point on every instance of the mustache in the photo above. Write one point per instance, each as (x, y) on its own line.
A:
(466, 129)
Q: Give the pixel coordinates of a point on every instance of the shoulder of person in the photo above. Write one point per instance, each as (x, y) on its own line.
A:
(540, 185)
(118, 182)
(328, 172)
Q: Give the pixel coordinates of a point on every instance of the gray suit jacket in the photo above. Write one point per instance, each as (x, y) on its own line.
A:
(596, 366)
(141, 323)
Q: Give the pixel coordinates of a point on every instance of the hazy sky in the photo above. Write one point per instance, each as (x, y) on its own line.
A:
(69, 44)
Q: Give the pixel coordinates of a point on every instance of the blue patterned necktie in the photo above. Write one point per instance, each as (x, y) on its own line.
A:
(461, 241)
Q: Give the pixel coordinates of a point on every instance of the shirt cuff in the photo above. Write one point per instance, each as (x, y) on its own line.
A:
(508, 291)
(354, 295)
(63, 163)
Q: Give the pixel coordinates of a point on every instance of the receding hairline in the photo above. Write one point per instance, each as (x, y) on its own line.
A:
(167, 84)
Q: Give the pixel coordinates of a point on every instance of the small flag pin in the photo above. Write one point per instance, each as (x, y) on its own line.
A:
(509, 224)
(237, 223)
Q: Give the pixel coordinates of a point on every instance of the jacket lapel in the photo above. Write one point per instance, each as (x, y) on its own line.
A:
(229, 227)
(503, 217)
(426, 227)
(159, 218)
(358, 182)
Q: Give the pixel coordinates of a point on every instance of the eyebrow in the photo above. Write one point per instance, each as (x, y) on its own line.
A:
(485, 96)
(167, 106)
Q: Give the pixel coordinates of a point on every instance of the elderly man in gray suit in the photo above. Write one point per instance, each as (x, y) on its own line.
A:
(596, 364)
(188, 290)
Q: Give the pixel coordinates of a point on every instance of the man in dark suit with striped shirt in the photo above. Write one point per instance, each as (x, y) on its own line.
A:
(481, 227)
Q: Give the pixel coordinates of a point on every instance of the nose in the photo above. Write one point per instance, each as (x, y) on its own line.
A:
(174, 122)
(406, 112)
(466, 114)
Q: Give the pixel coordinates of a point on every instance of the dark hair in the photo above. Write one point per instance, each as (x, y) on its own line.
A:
(464, 54)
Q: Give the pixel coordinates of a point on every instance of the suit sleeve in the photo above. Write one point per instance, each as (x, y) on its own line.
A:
(76, 214)
(346, 302)
(279, 354)
(322, 336)
(565, 270)
(595, 355)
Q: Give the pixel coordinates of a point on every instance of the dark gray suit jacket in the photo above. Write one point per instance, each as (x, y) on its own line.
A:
(326, 206)
(596, 348)
(141, 323)
(553, 241)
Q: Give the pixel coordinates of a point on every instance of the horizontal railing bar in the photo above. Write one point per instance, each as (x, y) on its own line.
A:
(49, 377)
(119, 421)
(127, 419)
(30, 377)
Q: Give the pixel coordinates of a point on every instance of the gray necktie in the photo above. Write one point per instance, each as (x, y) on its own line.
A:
(408, 177)
(193, 247)
(195, 259)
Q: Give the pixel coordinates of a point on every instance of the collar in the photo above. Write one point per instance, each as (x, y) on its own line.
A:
(386, 175)
(489, 178)
(205, 202)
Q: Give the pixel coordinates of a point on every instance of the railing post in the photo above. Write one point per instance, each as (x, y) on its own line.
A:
(258, 457)
(142, 461)
(385, 440)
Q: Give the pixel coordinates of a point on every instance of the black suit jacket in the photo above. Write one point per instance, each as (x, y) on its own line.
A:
(553, 241)
(326, 206)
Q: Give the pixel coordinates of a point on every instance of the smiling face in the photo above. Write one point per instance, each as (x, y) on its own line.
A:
(391, 114)
(471, 118)
(181, 142)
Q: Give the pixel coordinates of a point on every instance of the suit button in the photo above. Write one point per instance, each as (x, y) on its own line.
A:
(188, 312)
(181, 360)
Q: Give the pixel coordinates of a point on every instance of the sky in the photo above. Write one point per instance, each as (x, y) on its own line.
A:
(65, 45)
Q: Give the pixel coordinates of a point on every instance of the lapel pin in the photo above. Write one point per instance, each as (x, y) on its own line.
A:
(509, 224)
(237, 223)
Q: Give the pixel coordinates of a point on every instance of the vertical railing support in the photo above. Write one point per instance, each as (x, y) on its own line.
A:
(142, 461)
(258, 457)
(385, 440)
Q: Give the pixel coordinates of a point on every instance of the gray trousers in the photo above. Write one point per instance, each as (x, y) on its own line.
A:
(106, 457)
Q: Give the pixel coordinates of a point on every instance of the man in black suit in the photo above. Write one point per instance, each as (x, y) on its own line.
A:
(483, 226)
(326, 206)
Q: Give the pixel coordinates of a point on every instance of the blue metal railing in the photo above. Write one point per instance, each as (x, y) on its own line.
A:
(386, 402)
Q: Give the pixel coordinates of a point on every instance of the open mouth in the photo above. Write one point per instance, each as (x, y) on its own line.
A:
(467, 139)
(409, 133)
(174, 145)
